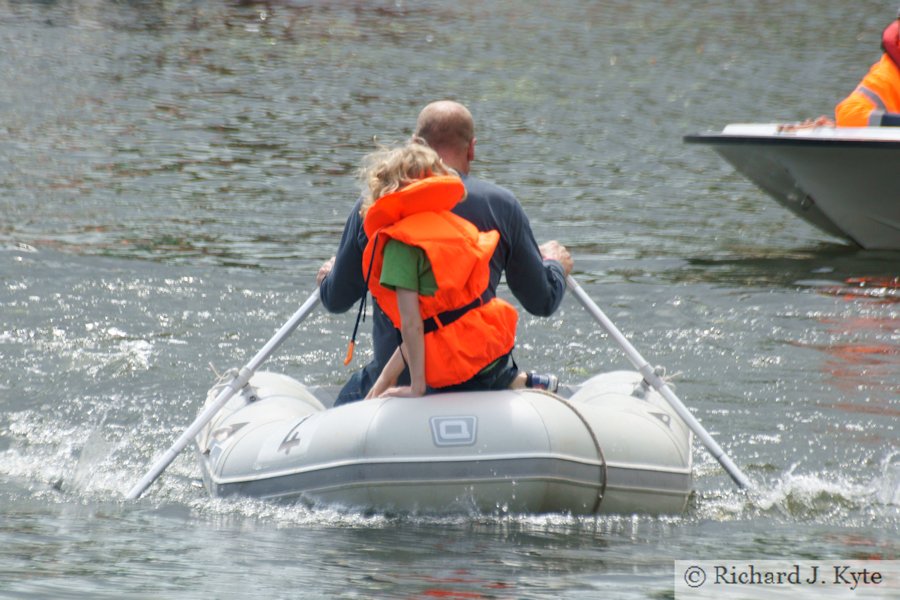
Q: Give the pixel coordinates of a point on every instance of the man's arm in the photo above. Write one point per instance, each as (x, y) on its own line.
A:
(537, 281)
(342, 283)
(536, 275)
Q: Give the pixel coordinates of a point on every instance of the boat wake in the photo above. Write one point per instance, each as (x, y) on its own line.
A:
(38, 458)
(824, 497)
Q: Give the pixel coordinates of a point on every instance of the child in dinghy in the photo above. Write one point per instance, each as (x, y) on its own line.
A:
(429, 270)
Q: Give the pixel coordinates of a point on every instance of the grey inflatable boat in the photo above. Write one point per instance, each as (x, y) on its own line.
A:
(609, 445)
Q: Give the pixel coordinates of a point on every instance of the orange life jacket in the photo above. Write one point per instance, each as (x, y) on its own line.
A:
(879, 91)
(466, 327)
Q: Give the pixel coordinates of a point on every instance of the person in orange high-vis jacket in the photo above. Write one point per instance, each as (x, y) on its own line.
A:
(876, 100)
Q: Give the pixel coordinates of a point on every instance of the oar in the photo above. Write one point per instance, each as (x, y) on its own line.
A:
(653, 379)
(239, 381)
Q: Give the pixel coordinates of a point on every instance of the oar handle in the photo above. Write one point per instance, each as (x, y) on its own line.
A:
(657, 382)
(234, 386)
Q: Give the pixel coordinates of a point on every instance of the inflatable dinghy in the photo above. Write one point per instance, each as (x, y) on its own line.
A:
(609, 445)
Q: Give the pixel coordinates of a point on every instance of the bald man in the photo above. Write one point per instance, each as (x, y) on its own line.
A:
(536, 275)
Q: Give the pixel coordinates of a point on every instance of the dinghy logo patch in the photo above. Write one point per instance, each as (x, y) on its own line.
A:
(453, 431)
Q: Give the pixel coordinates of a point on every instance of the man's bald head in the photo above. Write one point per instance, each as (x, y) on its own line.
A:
(448, 127)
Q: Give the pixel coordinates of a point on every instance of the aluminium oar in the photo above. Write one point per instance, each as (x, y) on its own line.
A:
(236, 384)
(657, 382)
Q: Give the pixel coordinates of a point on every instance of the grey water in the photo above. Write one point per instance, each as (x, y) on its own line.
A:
(172, 174)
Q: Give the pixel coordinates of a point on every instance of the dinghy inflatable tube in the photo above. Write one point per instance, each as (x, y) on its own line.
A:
(611, 446)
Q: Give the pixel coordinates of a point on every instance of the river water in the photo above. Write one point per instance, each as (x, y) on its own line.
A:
(173, 173)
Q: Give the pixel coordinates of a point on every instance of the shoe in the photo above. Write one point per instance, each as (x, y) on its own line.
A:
(542, 382)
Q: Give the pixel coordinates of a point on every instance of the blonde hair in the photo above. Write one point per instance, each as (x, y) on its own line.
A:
(387, 170)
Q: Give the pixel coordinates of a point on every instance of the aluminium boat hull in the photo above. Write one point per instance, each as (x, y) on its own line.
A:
(843, 180)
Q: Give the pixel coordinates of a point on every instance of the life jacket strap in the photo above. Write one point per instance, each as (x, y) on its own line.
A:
(361, 315)
(448, 316)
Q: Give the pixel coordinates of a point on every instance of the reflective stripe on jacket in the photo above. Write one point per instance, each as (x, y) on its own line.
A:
(419, 215)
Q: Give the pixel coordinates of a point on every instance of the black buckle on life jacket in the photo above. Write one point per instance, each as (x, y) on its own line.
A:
(448, 316)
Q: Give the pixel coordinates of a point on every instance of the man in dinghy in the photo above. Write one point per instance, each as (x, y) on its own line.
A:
(535, 274)
(876, 100)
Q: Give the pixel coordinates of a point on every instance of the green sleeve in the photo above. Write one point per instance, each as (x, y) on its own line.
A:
(407, 267)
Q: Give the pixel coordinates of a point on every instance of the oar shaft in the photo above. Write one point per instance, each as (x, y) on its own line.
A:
(234, 386)
(653, 379)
